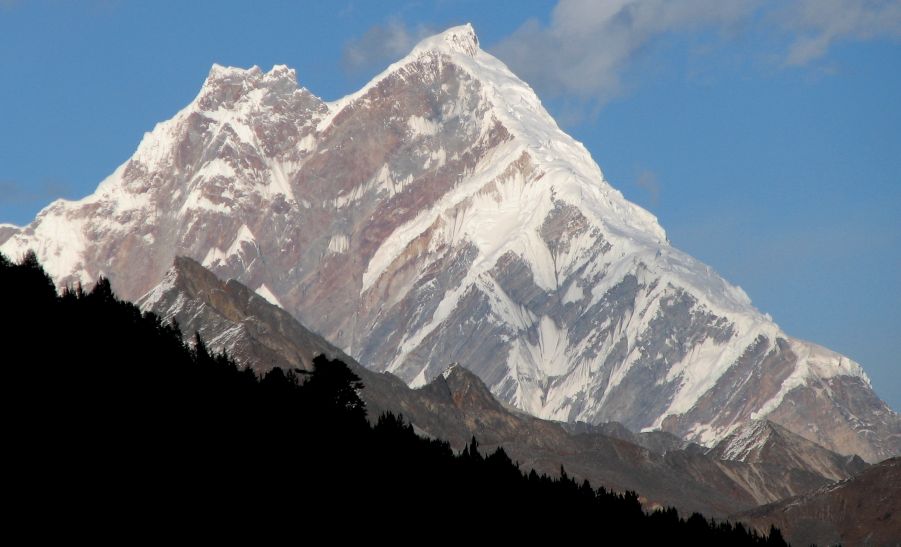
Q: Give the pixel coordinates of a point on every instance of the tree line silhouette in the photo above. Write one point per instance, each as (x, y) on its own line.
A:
(114, 425)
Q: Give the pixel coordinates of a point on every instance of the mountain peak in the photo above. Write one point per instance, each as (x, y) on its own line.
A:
(231, 78)
(231, 74)
(767, 442)
(439, 214)
(450, 370)
(227, 84)
(221, 72)
(459, 39)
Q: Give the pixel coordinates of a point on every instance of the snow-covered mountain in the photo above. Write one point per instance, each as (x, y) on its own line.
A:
(457, 405)
(438, 215)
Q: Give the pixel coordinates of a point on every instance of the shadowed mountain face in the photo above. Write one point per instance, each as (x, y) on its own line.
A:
(457, 405)
(862, 510)
(231, 317)
(440, 215)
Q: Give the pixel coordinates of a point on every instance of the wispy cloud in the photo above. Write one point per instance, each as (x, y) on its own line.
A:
(17, 193)
(647, 181)
(383, 44)
(581, 54)
(583, 50)
(821, 23)
(347, 10)
(586, 47)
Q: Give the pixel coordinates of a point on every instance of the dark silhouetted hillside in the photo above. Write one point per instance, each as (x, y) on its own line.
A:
(115, 426)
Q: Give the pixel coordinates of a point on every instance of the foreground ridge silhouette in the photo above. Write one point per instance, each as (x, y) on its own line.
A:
(115, 425)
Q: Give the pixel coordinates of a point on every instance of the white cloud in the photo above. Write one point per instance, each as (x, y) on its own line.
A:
(824, 22)
(583, 51)
(383, 44)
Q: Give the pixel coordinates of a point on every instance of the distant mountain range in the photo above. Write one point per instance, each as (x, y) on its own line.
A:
(440, 215)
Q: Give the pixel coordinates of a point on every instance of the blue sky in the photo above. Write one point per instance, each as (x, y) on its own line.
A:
(764, 134)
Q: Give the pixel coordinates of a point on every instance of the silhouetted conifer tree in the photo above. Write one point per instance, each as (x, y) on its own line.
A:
(111, 420)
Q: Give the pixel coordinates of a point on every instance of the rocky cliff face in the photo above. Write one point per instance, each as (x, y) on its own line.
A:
(440, 215)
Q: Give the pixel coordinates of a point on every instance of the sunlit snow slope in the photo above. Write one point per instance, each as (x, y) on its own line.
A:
(440, 215)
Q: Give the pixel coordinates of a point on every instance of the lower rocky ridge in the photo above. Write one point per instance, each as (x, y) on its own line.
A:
(457, 405)
(862, 510)
(766, 443)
